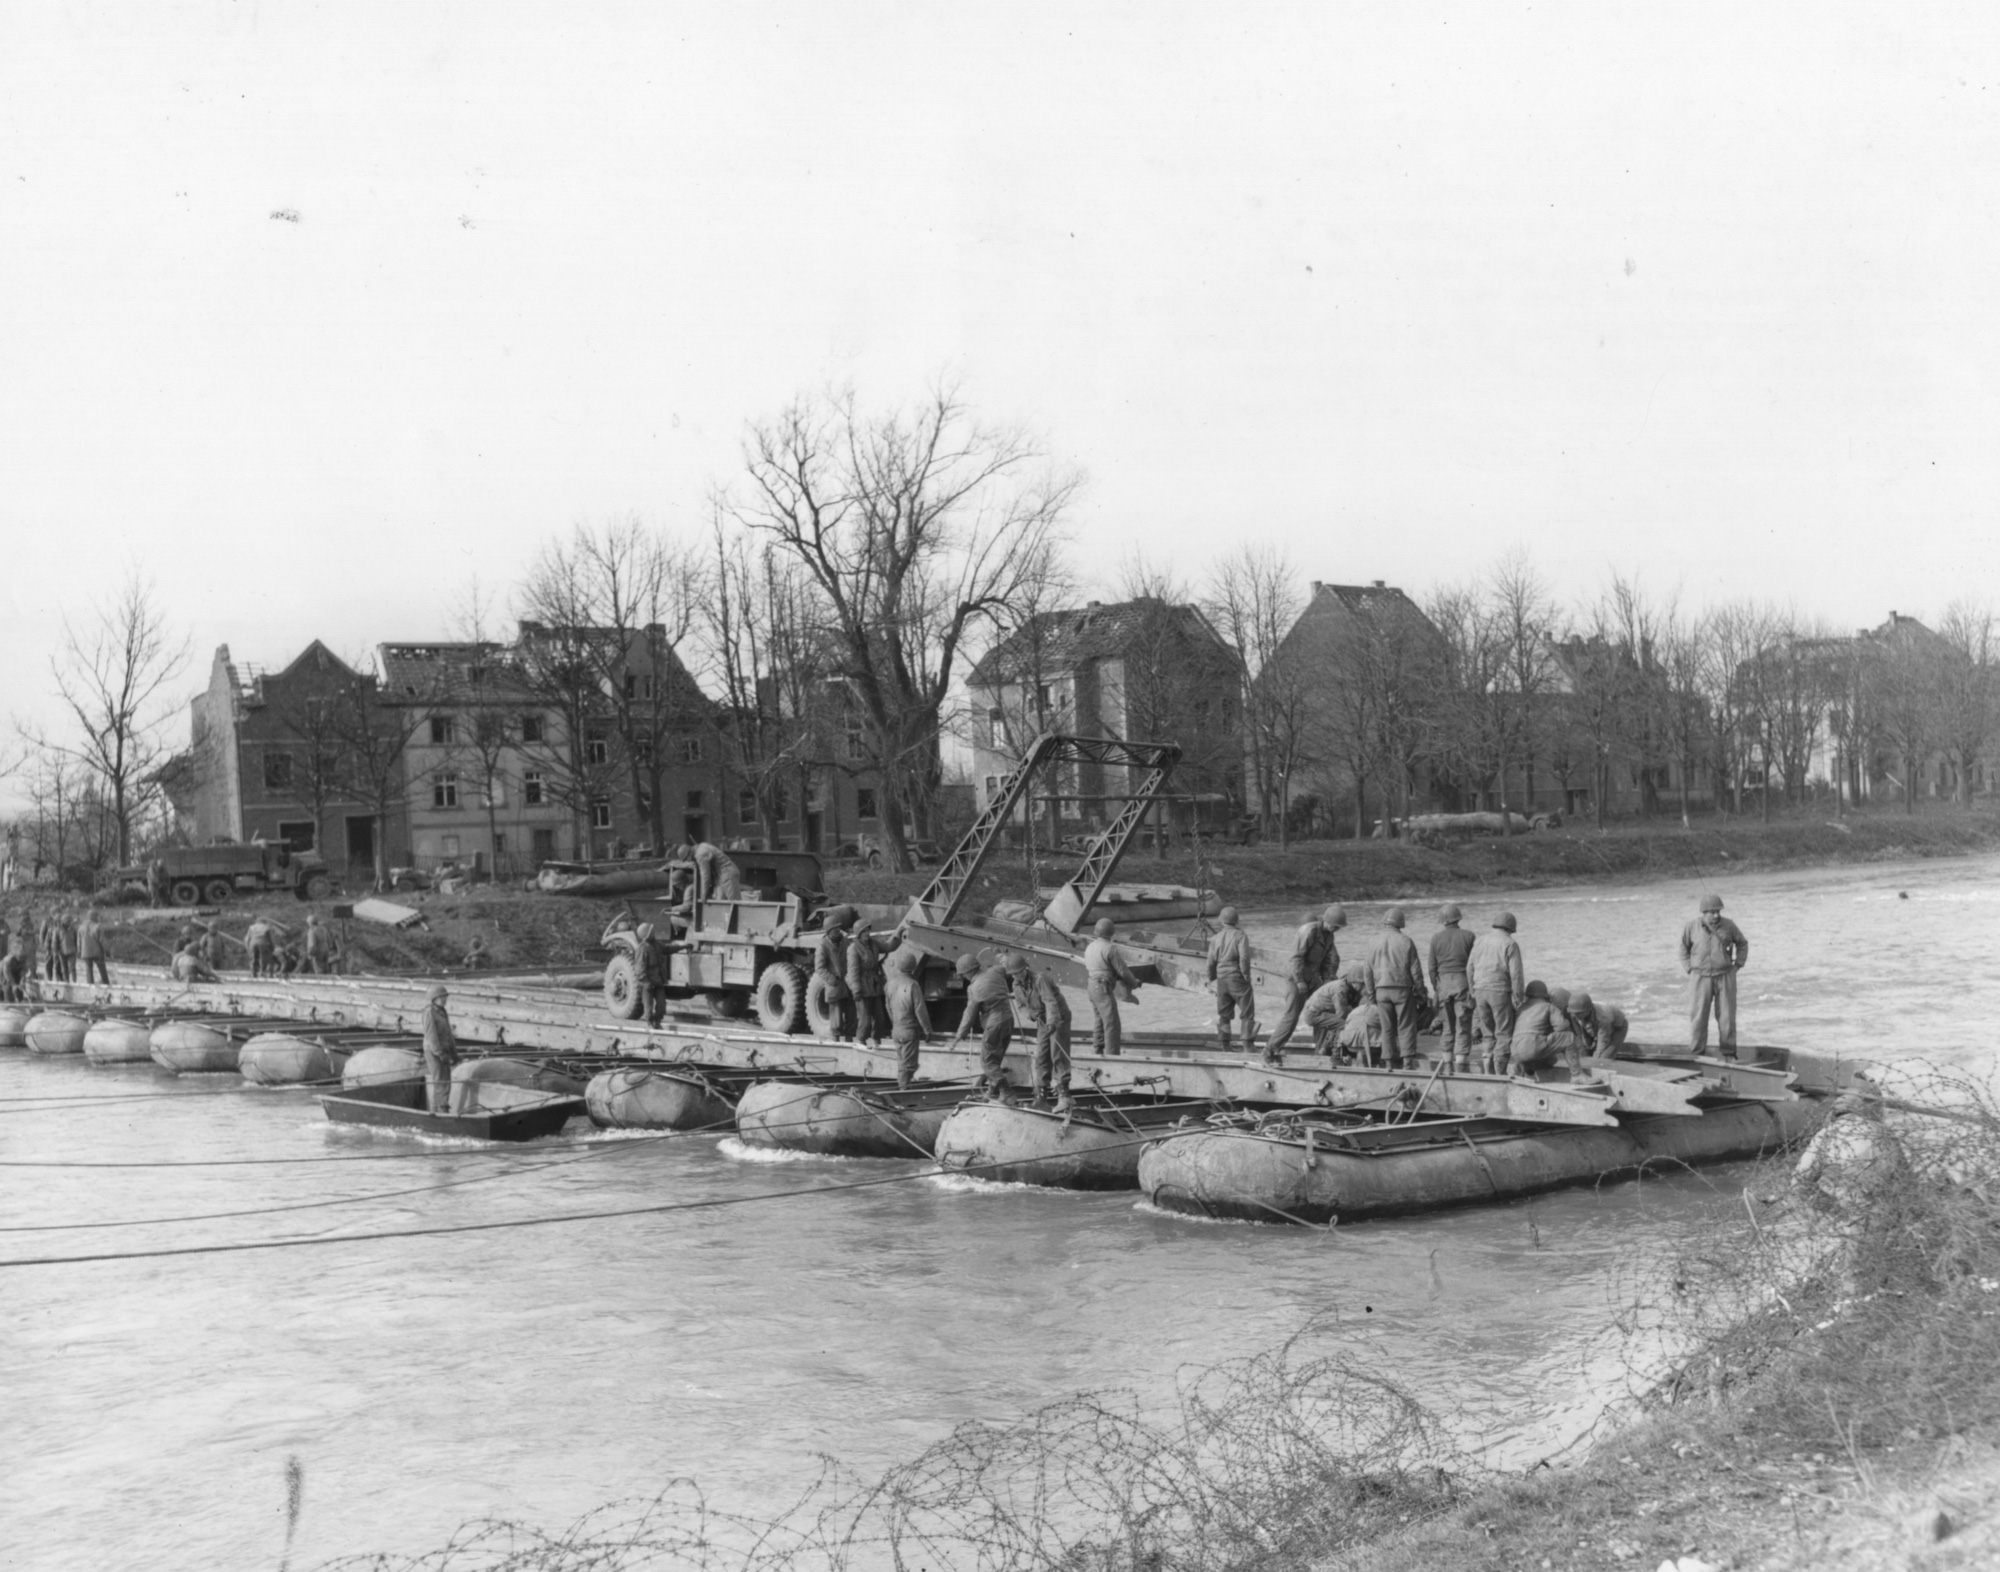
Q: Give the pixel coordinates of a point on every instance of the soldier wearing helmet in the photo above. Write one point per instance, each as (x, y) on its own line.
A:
(1229, 969)
(1713, 951)
(1450, 946)
(1499, 987)
(909, 1016)
(1601, 1028)
(1107, 977)
(1315, 960)
(1039, 999)
(1394, 984)
(989, 1005)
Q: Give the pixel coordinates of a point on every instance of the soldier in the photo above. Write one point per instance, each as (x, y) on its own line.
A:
(1328, 1007)
(1713, 951)
(1106, 974)
(1394, 984)
(1493, 970)
(1038, 997)
(909, 1016)
(830, 970)
(51, 949)
(1315, 959)
(867, 984)
(476, 957)
(156, 883)
(259, 940)
(211, 946)
(1450, 947)
(440, 1052)
(989, 995)
(189, 967)
(721, 879)
(1541, 1030)
(66, 945)
(1361, 1035)
(650, 967)
(1229, 970)
(318, 946)
(1601, 1028)
(90, 948)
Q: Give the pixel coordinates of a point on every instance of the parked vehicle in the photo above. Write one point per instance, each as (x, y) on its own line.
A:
(215, 874)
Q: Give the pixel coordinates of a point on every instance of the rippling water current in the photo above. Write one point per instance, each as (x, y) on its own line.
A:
(151, 1405)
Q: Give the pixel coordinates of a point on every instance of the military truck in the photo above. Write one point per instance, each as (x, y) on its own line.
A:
(213, 874)
(750, 952)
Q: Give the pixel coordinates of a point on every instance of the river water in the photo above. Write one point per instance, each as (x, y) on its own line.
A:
(152, 1405)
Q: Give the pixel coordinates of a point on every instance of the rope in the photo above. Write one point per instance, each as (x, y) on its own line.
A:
(713, 1203)
(593, 1151)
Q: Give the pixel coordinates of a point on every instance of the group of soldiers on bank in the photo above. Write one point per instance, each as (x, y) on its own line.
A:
(66, 944)
(1491, 1015)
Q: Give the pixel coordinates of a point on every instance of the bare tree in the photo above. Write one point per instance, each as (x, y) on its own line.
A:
(114, 675)
(1690, 729)
(915, 529)
(1522, 616)
(625, 599)
(1738, 633)
(1469, 750)
(1966, 688)
(373, 739)
(1253, 597)
(1905, 675)
(1033, 691)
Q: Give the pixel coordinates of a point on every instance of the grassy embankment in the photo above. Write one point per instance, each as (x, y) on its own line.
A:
(1309, 871)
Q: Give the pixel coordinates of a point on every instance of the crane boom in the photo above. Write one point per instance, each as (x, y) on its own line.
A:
(940, 902)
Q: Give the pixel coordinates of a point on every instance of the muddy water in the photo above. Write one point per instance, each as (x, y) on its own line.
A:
(151, 1405)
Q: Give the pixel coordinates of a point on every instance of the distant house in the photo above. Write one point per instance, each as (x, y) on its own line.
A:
(1358, 659)
(258, 755)
(1142, 670)
(474, 794)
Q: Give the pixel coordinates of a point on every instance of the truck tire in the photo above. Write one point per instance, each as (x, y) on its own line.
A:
(317, 888)
(184, 892)
(781, 998)
(728, 1004)
(822, 1009)
(217, 892)
(621, 988)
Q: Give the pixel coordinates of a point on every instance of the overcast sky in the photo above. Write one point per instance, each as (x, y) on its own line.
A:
(1703, 293)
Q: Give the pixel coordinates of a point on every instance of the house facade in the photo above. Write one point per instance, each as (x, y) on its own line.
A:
(259, 762)
(1143, 670)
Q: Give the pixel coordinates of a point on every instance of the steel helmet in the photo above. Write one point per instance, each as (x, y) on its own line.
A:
(1334, 916)
(1711, 903)
(1105, 928)
(1536, 989)
(1228, 916)
(1450, 914)
(968, 965)
(1559, 997)
(1505, 920)
(1580, 1003)
(1016, 962)
(437, 993)
(1394, 917)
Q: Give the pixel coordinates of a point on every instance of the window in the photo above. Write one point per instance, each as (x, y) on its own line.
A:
(534, 789)
(746, 807)
(299, 834)
(444, 790)
(443, 732)
(864, 803)
(531, 728)
(277, 772)
(642, 749)
(544, 845)
(781, 802)
(597, 750)
(451, 846)
(694, 803)
(856, 739)
(691, 750)
(600, 814)
(996, 726)
(496, 792)
(499, 845)
(638, 687)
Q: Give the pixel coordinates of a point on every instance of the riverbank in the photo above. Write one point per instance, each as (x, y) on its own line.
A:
(1310, 871)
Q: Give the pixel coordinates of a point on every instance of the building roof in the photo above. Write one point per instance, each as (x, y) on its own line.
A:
(1056, 641)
